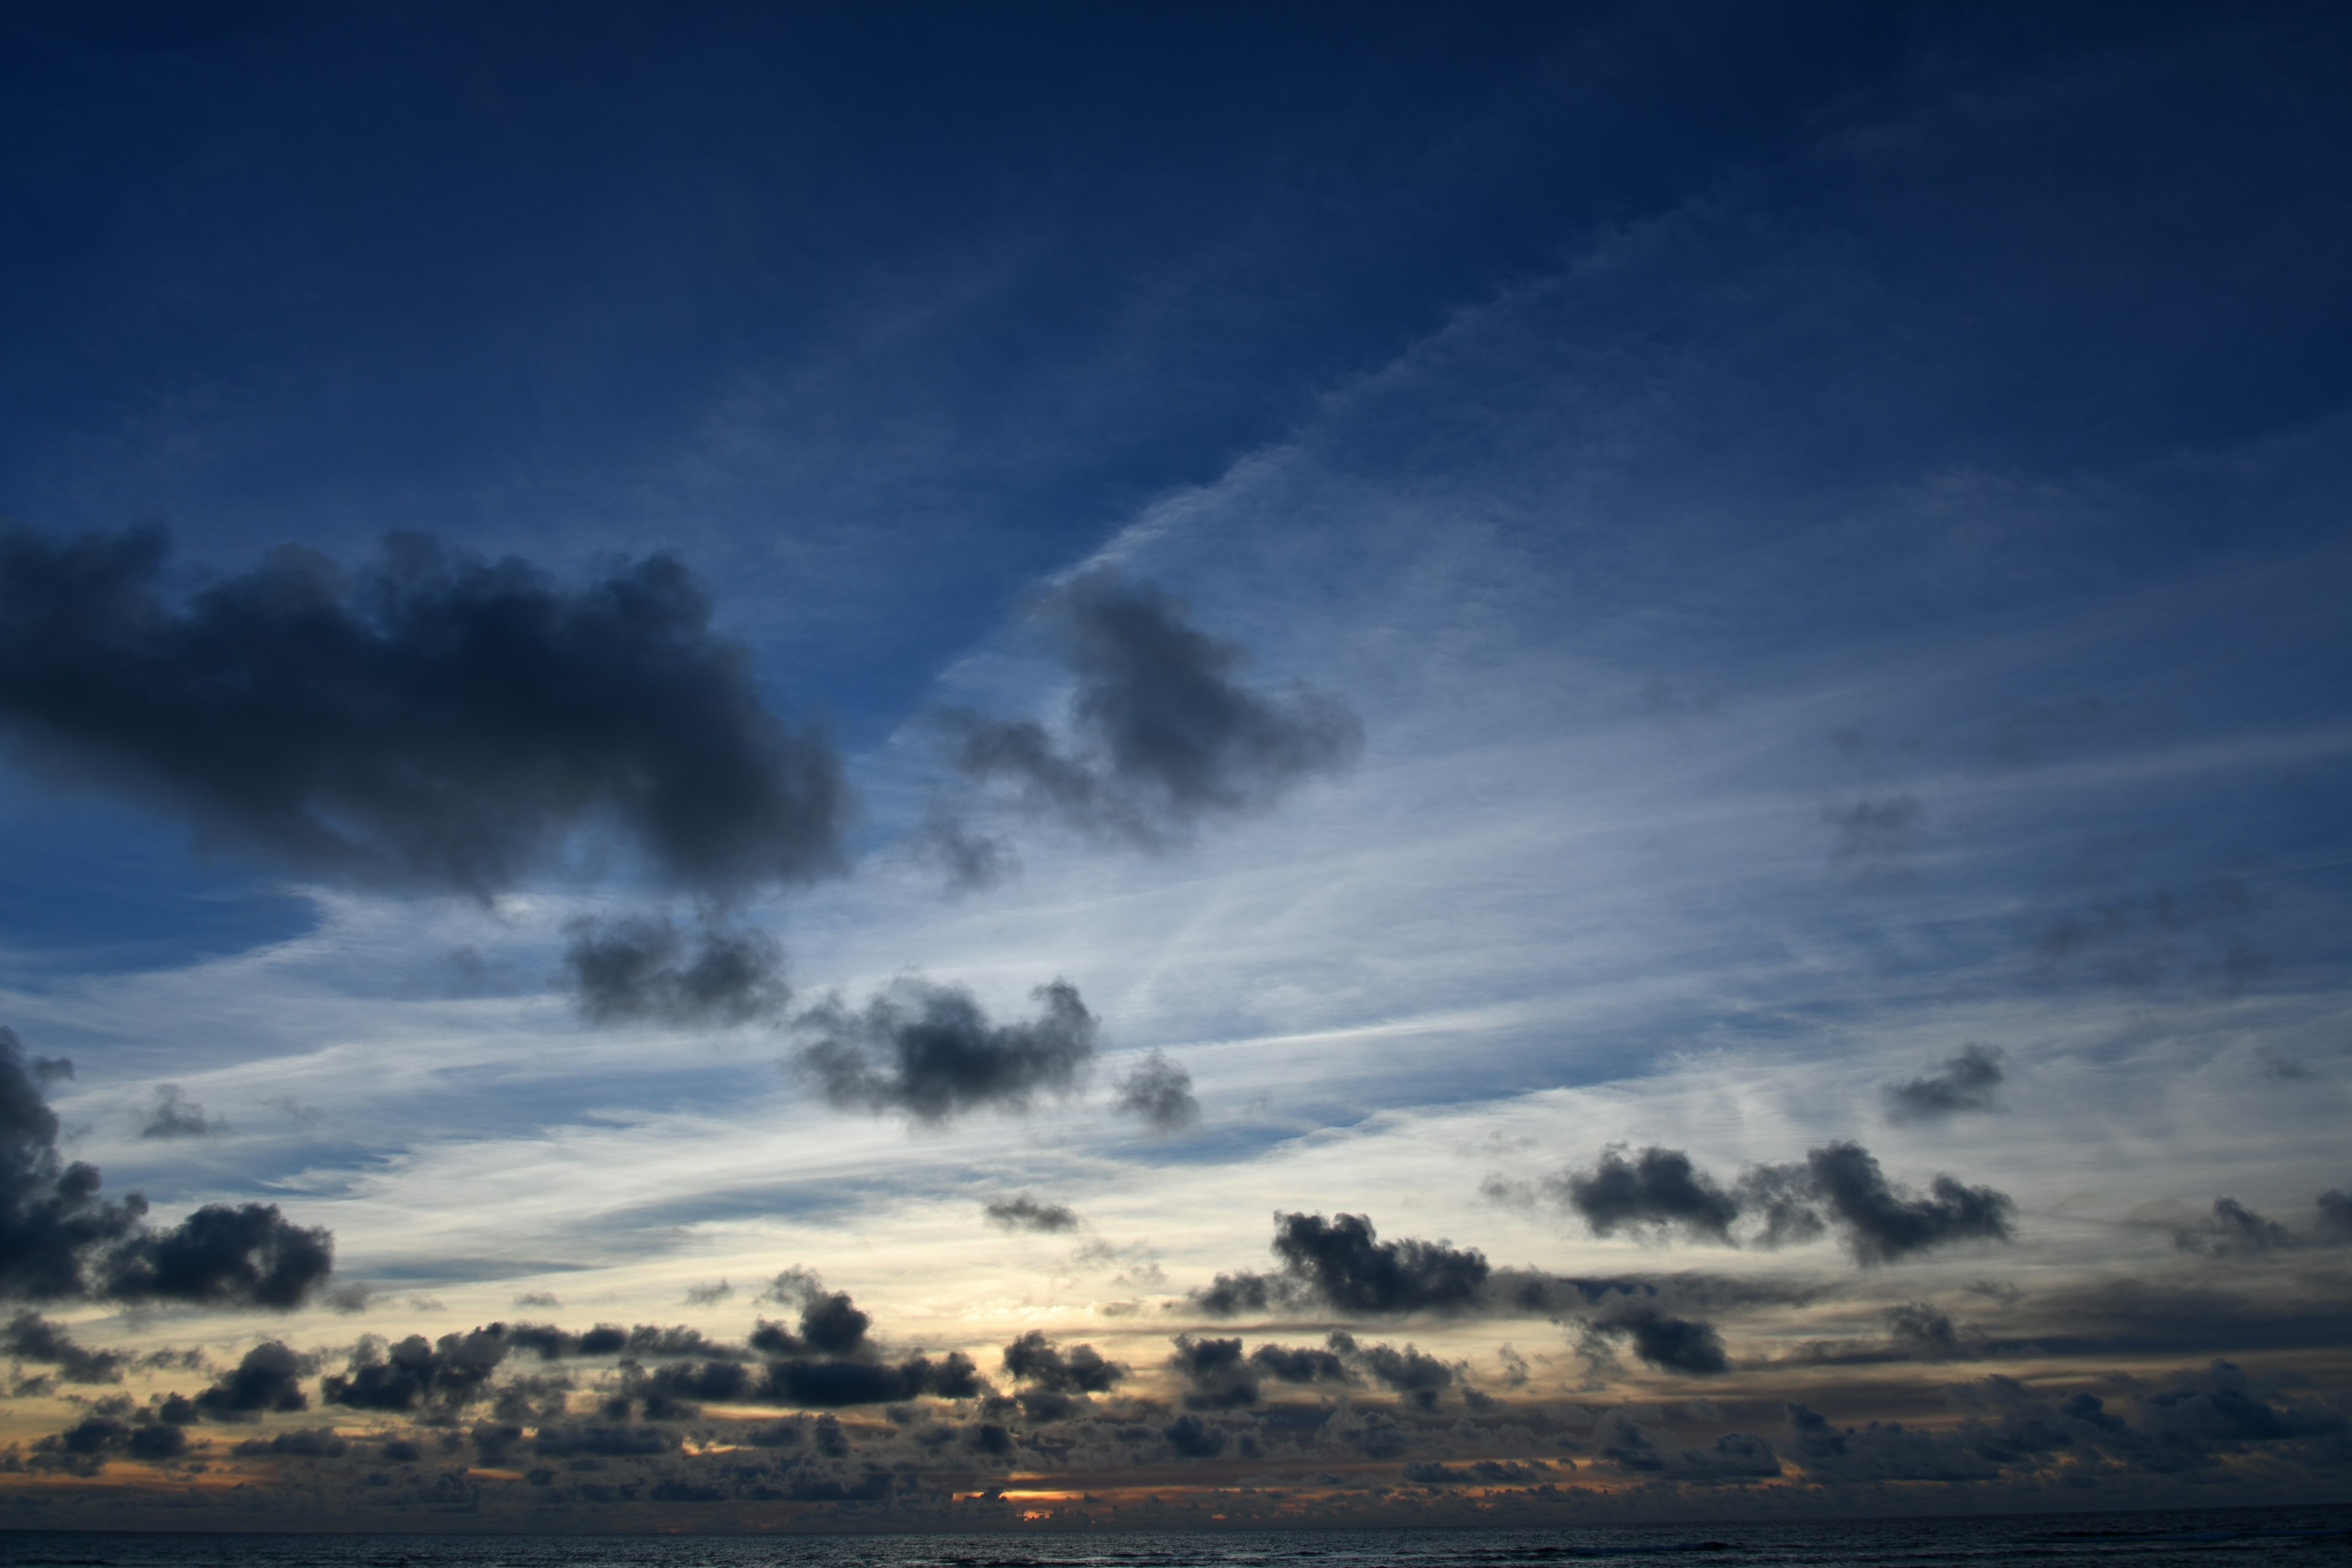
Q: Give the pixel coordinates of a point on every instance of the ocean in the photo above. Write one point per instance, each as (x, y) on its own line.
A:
(2314, 1536)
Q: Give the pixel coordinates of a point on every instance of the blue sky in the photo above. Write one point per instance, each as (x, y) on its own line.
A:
(1490, 586)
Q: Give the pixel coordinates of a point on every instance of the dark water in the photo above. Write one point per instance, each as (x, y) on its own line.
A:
(2313, 1536)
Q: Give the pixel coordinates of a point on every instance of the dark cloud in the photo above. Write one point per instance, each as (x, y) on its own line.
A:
(834, 1384)
(931, 1051)
(1216, 1375)
(1881, 1222)
(1038, 1360)
(646, 1340)
(2232, 1229)
(246, 1256)
(1670, 1344)
(1422, 1379)
(1303, 1364)
(61, 1240)
(1159, 1092)
(1657, 1189)
(301, 1442)
(1194, 1438)
(267, 1381)
(432, 720)
(1023, 1212)
(1839, 1186)
(1967, 1083)
(84, 1448)
(1479, 1473)
(830, 1324)
(416, 1373)
(31, 1337)
(640, 969)
(1166, 739)
(1341, 1263)
(177, 1116)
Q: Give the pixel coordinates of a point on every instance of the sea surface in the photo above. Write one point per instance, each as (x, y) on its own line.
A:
(2313, 1536)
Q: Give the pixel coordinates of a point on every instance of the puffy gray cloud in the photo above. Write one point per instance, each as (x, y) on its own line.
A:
(1216, 1375)
(1966, 1082)
(415, 1373)
(1166, 739)
(1839, 1186)
(269, 1381)
(31, 1337)
(1342, 1265)
(641, 969)
(432, 720)
(1021, 1212)
(1670, 1344)
(1159, 1092)
(931, 1051)
(1422, 1379)
(1657, 1189)
(1038, 1360)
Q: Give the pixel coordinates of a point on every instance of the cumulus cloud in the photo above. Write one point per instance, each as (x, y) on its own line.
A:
(31, 1337)
(1342, 1264)
(1164, 738)
(417, 1373)
(1670, 1344)
(1657, 1189)
(433, 720)
(1966, 1083)
(269, 1381)
(1159, 1094)
(1035, 1360)
(641, 969)
(1021, 1212)
(61, 1240)
(1838, 1187)
(931, 1051)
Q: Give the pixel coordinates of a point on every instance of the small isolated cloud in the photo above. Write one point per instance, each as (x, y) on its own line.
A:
(641, 969)
(431, 719)
(931, 1051)
(1966, 1083)
(539, 1298)
(174, 1115)
(1023, 1212)
(708, 1295)
(1165, 739)
(1159, 1094)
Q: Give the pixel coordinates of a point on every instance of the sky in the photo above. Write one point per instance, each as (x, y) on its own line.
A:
(787, 767)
